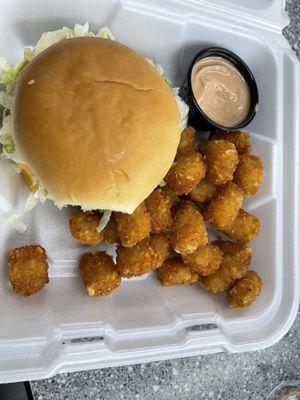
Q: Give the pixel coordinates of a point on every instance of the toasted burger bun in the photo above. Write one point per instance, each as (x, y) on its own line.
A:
(96, 124)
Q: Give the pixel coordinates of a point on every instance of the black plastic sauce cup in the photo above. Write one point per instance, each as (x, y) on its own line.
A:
(197, 118)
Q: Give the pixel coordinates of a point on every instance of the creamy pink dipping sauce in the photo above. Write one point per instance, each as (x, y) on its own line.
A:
(220, 91)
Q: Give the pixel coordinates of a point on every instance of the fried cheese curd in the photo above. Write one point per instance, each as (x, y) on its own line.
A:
(188, 229)
(240, 139)
(159, 206)
(236, 259)
(175, 272)
(221, 160)
(145, 256)
(186, 172)
(245, 290)
(203, 192)
(223, 209)
(244, 228)
(248, 174)
(83, 227)
(132, 228)
(99, 274)
(28, 269)
(187, 142)
(205, 260)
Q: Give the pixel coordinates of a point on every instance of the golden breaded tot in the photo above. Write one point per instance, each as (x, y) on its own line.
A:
(159, 207)
(221, 159)
(245, 290)
(110, 232)
(248, 174)
(236, 260)
(136, 260)
(83, 227)
(244, 228)
(133, 228)
(99, 274)
(28, 269)
(233, 248)
(187, 141)
(169, 192)
(223, 209)
(239, 138)
(188, 230)
(161, 246)
(175, 272)
(186, 173)
(205, 260)
(146, 255)
(203, 192)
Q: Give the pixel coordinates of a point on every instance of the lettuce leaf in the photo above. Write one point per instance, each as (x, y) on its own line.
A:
(10, 74)
(105, 33)
(49, 38)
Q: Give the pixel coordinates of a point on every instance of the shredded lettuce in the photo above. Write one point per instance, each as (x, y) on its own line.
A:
(162, 184)
(8, 144)
(10, 74)
(6, 138)
(104, 220)
(105, 33)
(14, 216)
(6, 100)
(82, 30)
(3, 66)
(182, 106)
(183, 109)
(49, 38)
(158, 67)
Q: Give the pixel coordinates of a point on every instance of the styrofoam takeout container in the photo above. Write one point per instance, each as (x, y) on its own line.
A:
(62, 329)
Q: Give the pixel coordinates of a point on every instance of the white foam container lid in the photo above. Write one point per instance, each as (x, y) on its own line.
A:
(62, 329)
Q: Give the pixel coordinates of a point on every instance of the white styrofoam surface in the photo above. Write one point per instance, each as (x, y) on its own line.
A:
(142, 320)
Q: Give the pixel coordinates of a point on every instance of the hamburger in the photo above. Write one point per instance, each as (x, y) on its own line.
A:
(93, 124)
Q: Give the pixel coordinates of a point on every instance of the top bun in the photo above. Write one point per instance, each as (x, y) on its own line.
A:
(96, 123)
